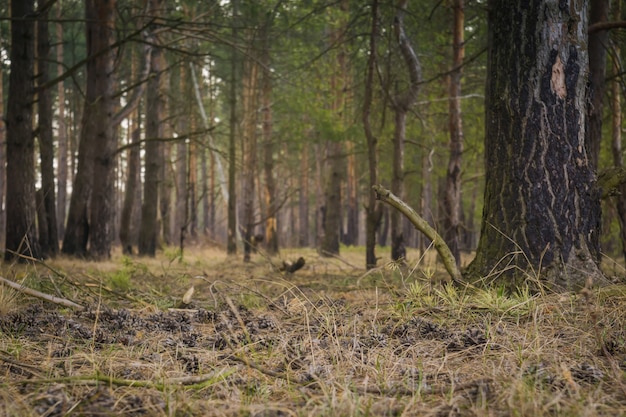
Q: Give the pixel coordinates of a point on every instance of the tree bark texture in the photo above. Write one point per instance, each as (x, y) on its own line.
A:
(62, 161)
(46, 146)
(103, 192)
(541, 214)
(149, 229)
(373, 212)
(249, 104)
(271, 212)
(597, 44)
(3, 170)
(401, 105)
(231, 245)
(452, 201)
(21, 233)
(303, 198)
(133, 179)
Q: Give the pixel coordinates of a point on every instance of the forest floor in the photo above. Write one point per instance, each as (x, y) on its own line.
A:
(328, 340)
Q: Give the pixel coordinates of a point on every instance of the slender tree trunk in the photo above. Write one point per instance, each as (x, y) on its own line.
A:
(48, 236)
(452, 202)
(541, 216)
(597, 44)
(231, 247)
(21, 233)
(149, 228)
(332, 215)
(3, 171)
(333, 225)
(192, 184)
(373, 211)
(271, 215)
(401, 105)
(62, 160)
(352, 215)
(616, 127)
(426, 200)
(165, 180)
(127, 237)
(303, 198)
(181, 166)
(249, 103)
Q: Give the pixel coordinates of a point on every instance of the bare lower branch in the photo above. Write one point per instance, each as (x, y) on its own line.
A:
(422, 225)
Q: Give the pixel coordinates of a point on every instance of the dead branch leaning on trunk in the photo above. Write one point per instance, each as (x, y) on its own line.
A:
(422, 225)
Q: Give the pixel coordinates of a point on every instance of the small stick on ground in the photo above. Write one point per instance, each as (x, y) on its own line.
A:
(34, 293)
(449, 262)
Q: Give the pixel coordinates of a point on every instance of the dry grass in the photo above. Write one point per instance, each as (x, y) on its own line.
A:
(329, 340)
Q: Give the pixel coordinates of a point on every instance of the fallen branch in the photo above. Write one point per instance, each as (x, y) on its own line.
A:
(422, 225)
(34, 293)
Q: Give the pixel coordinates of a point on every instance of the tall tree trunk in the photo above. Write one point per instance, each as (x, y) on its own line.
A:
(597, 44)
(62, 160)
(373, 211)
(452, 202)
(249, 104)
(103, 191)
(149, 228)
(271, 206)
(401, 105)
(231, 246)
(21, 234)
(352, 204)
(332, 213)
(133, 178)
(3, 170)
(182, 198)
(96, 139)
(303, 198)
(192, 184)
(165, 179)
(616, 127)
(541, 216)
(48, 236)
(333, 224)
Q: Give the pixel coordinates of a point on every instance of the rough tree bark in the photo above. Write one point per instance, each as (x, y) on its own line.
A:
(452, 201)
(21, 234)
(373, 209)
(148, 231)
(249, 104)
(271, 215)
(597, 44)
(616, 137)
(231, 245)
(61, 132)
(3, 162)
(401, 106)
(48, 235)
(336, 155)
(541, 214)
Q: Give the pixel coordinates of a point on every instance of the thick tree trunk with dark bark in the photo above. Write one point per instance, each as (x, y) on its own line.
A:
(249, 103)
(103, 191)
(541, 214)
(21, 234)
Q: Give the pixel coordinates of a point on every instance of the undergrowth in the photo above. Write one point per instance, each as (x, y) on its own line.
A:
(331, 339)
